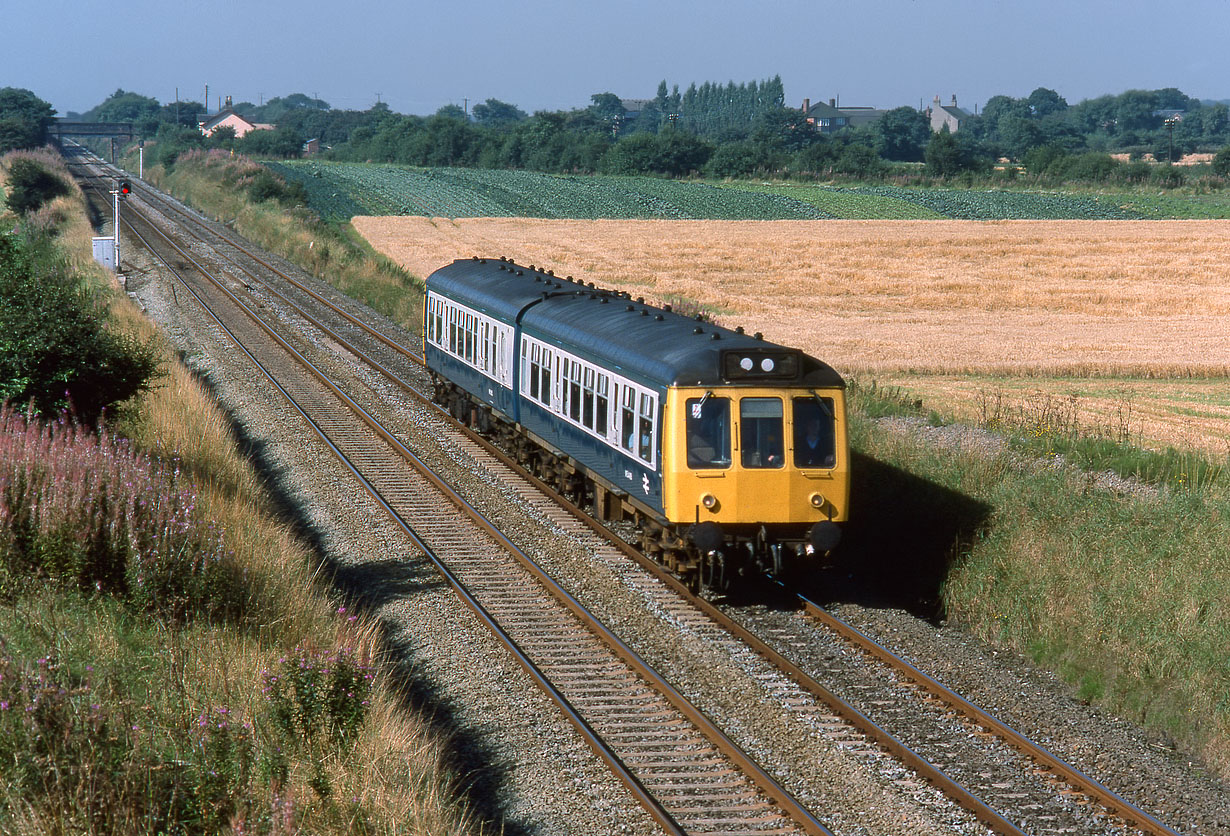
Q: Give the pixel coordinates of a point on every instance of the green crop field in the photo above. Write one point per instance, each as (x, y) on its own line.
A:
(338, 191)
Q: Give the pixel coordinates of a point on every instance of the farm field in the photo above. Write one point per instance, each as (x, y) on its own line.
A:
(338, 191)
(1127, 317)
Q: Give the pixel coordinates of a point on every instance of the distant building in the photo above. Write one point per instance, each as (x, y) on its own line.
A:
(827, 118)
(227, 117)
(311, 147)
(948, 115)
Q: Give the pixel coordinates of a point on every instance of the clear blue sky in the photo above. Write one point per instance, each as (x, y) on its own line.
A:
(419, 55)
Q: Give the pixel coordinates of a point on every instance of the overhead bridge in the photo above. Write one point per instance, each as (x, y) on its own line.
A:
(61, 128)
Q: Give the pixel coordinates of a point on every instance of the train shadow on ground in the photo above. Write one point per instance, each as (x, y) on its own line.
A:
(366, 587)
(904, 536)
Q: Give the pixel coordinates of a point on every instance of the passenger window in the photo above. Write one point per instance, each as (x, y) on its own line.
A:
(708, 433)
(627, 419)
(646, 428)
(814, 440)
(600, 414)
(760, 432)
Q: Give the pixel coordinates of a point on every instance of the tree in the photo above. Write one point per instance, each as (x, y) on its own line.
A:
(1221, 162)
(1044, 102)
(56, 347)
(1018, 135)
(283, 142)
(498, 114)
(452, 111)
(902, 134)
(24, 119)
(30, 185)
(943, 155)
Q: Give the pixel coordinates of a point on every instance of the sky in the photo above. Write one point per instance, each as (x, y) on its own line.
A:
(418, 56)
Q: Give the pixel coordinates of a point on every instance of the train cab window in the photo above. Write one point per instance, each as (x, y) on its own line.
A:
(627, 419)
(814, 443)
(760, 432)
(708, 433)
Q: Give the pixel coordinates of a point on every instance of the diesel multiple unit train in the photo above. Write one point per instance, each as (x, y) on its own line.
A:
(728, 451)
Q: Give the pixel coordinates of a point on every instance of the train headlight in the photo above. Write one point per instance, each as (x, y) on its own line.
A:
(767, 365)
(709, 501)
(817, 501)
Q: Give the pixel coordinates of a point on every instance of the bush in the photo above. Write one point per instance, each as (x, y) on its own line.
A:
(82, 510)
(30, 185)
(1221, 162)
(55, 347)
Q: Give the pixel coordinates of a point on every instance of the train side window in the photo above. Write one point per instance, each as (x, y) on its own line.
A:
(645, 433)
(600, 411)
(544, 391)
(627, 419)
(574, 391)
(532, 372)
(708, 433)
(760, 432)
(452, 329)
(587, 410)
(814, 440)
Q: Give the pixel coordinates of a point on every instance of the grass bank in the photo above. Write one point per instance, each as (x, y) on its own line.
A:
(242, 194)
(1118, 584)
(167, 662)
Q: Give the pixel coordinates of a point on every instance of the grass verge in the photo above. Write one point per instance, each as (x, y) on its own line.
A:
(1121, 592)
(167, 663)
(219, 185)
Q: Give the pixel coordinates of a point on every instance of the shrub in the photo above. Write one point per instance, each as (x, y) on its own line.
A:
(55, 346)
(1221, 162)
(30, 185)
(83, 510)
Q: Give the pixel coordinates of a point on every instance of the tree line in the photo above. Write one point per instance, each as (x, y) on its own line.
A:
(717, 130)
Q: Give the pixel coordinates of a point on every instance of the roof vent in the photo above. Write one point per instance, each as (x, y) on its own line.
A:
(739, 329)
(758, 336)
(532, 267)
(666, 308)
(699, 317)
(630, 308)
(698, 330)
(550, 272)
(716, 336)
(640, 300)
(520, 272)
(644, 312)
(659, 318)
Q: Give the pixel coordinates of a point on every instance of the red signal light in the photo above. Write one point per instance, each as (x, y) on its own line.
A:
(125, 187)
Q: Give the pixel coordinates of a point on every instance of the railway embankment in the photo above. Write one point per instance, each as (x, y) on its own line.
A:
(167, 663)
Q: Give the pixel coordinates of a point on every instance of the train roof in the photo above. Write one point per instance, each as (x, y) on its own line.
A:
(625, 334)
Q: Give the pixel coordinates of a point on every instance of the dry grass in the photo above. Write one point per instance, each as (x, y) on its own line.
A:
(931, 305)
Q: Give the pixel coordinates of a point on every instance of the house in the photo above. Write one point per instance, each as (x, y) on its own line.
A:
(227, 117)
(827, 118)
(948, 115)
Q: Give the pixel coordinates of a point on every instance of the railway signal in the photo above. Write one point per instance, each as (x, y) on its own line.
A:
(125, 188)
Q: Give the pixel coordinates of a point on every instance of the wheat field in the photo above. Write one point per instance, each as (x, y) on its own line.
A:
(948, 309)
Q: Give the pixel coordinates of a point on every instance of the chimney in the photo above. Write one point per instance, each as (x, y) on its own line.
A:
(832, 103)
(954, 100)
(228, 101)
(806, 106)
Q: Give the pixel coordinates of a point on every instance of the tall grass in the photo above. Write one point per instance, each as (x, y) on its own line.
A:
(214, 182)
(1123, 593)
(149, 593)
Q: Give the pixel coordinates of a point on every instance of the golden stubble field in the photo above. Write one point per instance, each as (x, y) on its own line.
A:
(956, 311)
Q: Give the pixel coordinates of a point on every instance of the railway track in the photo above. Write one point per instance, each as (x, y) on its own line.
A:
(1078, 803)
